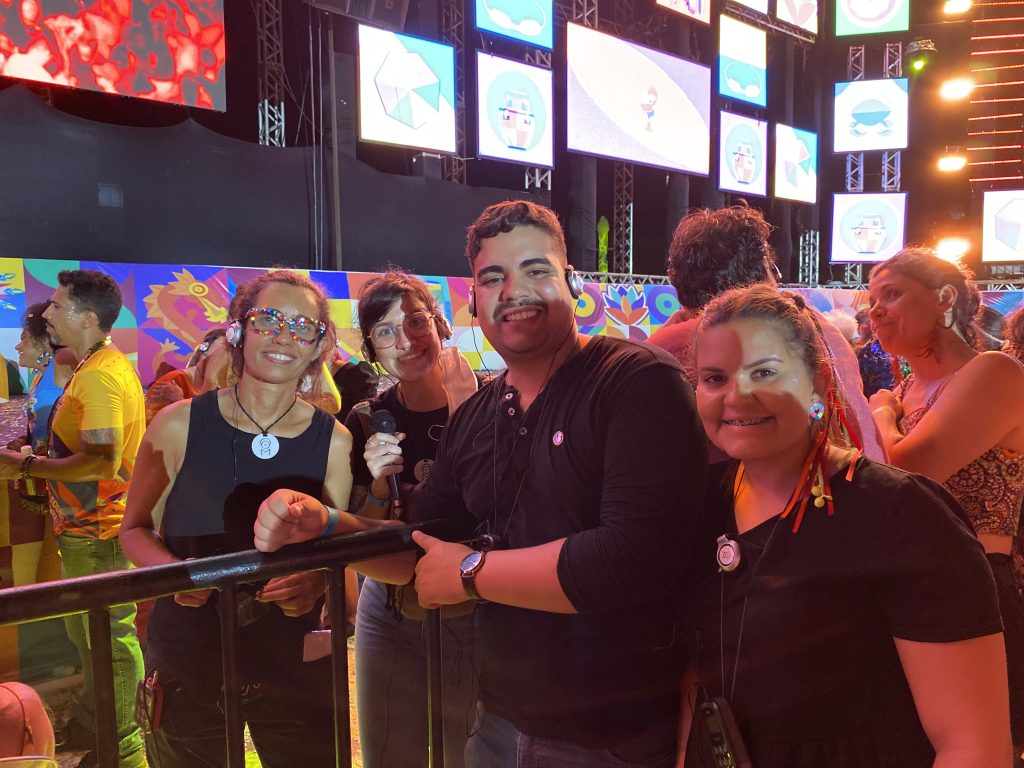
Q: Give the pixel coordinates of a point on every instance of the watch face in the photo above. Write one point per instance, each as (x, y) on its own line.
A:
(471, 561)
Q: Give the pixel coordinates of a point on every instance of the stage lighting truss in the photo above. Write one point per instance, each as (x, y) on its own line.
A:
(920, 52)
(622, 227)
(453, 25)
(808, 255)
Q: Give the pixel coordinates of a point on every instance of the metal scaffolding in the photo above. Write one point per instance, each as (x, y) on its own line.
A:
(622, 226)
(808, 255)
(270, 72)
(855, 63)
(891, 170)
(855, 70)
(894, 59)
(535, 177)
(453, 32)
(855, 172)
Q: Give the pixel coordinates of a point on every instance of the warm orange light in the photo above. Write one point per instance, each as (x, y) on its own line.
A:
(951, 163)
(956, 89)
(952, 248)
(954, 7)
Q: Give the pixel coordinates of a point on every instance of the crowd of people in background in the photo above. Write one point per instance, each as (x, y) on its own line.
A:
(781, 535)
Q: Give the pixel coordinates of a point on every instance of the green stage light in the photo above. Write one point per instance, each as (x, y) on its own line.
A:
(919, 53)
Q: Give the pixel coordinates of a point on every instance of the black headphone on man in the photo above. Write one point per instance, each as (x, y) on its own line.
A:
(572, 279)
(444, 332)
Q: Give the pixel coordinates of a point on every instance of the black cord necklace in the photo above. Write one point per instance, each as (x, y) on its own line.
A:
(264, 445)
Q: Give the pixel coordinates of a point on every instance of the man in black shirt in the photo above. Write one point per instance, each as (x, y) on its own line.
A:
(585, 462)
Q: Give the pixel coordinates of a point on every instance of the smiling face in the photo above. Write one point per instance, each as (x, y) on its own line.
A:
(904, 312)
(406, 354)
(280, 358)
(30, 350)
(523, 302)
(754, 391)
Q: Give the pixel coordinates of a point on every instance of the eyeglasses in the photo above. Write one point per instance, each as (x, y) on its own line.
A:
(270, 322)
(415, 326)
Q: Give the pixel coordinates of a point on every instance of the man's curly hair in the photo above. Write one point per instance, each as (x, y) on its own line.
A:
(714, 251)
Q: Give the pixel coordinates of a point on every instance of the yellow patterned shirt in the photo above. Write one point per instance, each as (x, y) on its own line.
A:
(105, 393)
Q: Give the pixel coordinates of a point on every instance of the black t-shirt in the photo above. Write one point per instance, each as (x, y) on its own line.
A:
(612, 456)
(819, 681)
(423, 431)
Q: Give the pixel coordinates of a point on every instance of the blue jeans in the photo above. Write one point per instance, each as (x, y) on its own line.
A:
(391, 684)
(497, 743)
(82, 556)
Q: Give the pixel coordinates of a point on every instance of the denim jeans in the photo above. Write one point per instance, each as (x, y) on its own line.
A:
(82, 556)
(391, 684)
(497, 743)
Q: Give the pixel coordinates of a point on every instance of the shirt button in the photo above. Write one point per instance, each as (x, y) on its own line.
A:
(508, 395)
(522, 430)
(511, 411)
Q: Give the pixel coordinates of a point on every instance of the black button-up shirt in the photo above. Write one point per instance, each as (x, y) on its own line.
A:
(610, 455)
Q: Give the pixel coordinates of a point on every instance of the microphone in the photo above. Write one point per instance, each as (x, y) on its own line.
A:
(383, 421)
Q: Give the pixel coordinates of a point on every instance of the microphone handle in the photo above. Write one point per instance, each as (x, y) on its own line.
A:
(396, 497)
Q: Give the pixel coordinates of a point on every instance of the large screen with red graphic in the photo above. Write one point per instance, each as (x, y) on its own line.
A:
(165, 50)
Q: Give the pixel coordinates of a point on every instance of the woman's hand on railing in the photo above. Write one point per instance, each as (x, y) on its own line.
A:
(296, 594)
(193, 599)
(288, 517)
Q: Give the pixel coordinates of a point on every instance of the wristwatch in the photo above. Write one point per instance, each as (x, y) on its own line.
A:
(471, 565)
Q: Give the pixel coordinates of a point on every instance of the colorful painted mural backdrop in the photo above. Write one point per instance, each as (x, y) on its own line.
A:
(168, 309)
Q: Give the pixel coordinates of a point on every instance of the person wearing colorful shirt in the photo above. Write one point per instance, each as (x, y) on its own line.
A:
(96, 429)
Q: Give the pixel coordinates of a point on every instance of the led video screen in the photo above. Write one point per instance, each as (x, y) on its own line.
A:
(796, 164)
(868, 227)
(151, 49)
(871, 115)
(866, 17)
(1002, 229)
(636, 104)
(514, 111)
(406, 90)
(742, 62)
(742, 155)
(800, 13)
(695, 9)
(531, 21)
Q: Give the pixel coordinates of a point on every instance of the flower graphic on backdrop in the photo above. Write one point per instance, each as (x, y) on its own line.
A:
(626, 307)
(8, 291)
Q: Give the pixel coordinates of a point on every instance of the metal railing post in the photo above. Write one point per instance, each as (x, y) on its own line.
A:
(435, 692)
(234, 723)
(339, 665)
(103, 688)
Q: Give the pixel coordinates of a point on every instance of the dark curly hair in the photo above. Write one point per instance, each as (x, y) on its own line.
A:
(923, 266)
(506, 216)
(714, 251)
(34, 323)
(378, 295)
(93, 291)
(1015, 334)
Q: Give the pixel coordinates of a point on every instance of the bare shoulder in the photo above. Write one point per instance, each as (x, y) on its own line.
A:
(170, 425)
(991, 369)
(341, 438)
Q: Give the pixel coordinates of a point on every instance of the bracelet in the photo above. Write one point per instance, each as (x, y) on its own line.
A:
(376, 500)
(26, 464)
(333, 518)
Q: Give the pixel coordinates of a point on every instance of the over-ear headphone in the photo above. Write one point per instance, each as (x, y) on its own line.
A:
(572, 279)
(235, 333)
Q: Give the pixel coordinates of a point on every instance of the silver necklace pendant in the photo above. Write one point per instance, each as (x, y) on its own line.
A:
(265, 446)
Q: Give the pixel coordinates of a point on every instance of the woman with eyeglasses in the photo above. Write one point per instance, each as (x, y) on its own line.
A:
(204, 468)
(402, 328)
(207, 369)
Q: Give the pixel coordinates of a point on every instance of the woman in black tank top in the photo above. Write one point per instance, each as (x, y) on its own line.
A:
(204, 468)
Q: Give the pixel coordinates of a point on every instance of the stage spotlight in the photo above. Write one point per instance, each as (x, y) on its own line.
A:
(956, 89)
(956, 7)
(952, 248)
(951, 162)
(919, 53)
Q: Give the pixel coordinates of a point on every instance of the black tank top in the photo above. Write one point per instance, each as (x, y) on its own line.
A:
(210, 511)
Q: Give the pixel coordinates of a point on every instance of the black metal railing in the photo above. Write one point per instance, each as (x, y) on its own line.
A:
(94, 595)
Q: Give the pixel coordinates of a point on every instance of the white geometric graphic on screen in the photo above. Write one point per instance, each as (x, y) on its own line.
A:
(409, 90)
(871, 13)
(1009, 224)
